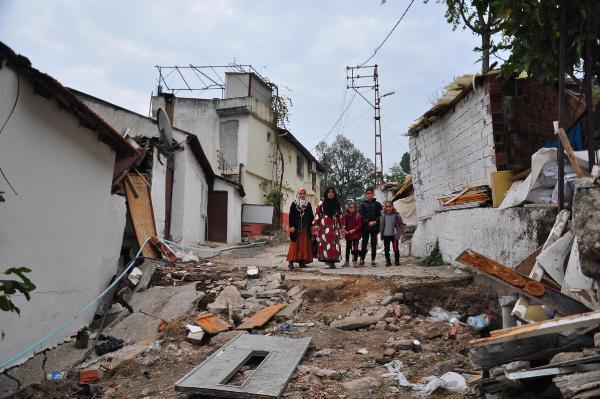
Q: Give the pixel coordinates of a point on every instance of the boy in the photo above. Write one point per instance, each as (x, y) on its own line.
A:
(370, 211)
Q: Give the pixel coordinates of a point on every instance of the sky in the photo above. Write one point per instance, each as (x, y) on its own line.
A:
(109, 49)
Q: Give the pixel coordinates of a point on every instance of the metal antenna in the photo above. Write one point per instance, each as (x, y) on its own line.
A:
(369, 80)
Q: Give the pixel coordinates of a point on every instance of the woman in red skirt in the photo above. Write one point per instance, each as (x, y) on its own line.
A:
(301, 216)
(327, 223)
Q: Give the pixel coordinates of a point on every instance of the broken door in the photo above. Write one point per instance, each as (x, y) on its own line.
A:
(217, 216)
(139, 205)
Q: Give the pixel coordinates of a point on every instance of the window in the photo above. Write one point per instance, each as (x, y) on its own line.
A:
(314, 182)
(299, 165)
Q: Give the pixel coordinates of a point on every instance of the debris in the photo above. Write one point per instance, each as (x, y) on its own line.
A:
(82, 340)
(134, 276)
(109, 344)
(323, 352)
(166, 251)
(289, 311)
(360, 383)
(252, 272)
(321, 373)
(559, 226)
(580, 385)
(229, 295)
(362, 351)
(450, 381)
(162, 324)
(88, 376)
(294, 290)
(261, 317)
(444, 316)
(354, 323)
(211, 323)
(195, 337)
(480, 321)
(55, 375)
(507, 303)
(277, 357)
(139, 204)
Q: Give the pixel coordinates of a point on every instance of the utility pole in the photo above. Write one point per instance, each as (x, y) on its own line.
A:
(370, 80)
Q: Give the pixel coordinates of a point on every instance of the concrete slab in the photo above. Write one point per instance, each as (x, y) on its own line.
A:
(289, 311)
(268, 380)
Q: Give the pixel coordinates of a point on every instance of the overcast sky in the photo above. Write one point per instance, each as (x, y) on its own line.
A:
(109, 48)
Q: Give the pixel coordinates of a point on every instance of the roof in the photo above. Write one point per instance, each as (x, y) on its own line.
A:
(453, 93)
(48, 86)
(292, 139)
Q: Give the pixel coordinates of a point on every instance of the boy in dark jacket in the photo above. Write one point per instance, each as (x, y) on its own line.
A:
(370, 211)
(391, 229)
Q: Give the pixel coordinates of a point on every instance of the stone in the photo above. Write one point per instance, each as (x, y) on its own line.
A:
(402, 344)
(398, 296)
(392, 327)
(383, 360)
(294, 290)
(516, 366)
(274, 277)
(321, 373)
(566, 356)
(230, 295)
(388, 352)
(195, 337)
(288, 312)
(380, 325)
(597, 340)
(270, 293)
(360, 383)
(323, 352)
(241, 284)
(429, 331)
(362, 351)
(387, 300)
(389, 319)
(354, 323)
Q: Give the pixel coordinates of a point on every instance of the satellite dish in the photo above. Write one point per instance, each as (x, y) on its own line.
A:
(164, 127)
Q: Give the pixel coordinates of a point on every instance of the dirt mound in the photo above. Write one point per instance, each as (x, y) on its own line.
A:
(341, 291)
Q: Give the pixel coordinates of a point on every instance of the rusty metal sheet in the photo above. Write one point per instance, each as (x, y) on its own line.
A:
(212, 323)
(261, 317)
(558, 301)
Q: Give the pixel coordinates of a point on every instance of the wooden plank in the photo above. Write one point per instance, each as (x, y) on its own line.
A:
(555, 299)
(211, 323)
(457, 196)
(261, 317)
(571, 154)
(500, 183)
(576, 322)
(140, 210)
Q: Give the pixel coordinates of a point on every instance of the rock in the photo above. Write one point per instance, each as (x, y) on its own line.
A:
(362, 351)
(241, 284)
(354, 323)
(393, 327)
(272, 285)
(429, 331)
(389, 319)
(380, 325)
(231, 295)
(294, 290)
(274, 277)
(388, 352)
(288, 312)
(597, 340)
(516, 366)
(387, 300)
(360, 383)
(399, 310)
(323, 352)
(270, 293)
(195, 337)
(565, 356)
(383, 360)
(321, 373)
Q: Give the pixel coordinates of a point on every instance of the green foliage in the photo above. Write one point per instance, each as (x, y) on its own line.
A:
(346, 168)
(405, 163)
(531, 33)
(280, 111)
(275, 197)
(395, 173)
(9, 287)
(434, 258)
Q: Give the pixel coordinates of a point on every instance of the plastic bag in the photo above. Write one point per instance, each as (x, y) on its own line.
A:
(451, 381)
(479, 322)
(444, 316)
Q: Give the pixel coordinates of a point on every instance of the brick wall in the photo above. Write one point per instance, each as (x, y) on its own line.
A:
(456, 149)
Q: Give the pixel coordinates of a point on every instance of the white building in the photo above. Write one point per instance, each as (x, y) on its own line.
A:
(240, 142)
(62, 220)
(199, 205)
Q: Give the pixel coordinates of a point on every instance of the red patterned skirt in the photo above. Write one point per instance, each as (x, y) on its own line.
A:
(329, 239)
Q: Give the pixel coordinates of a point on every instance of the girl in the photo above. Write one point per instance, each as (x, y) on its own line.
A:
(327, 228)
(352, 226)
(301, 216)
(391, 228)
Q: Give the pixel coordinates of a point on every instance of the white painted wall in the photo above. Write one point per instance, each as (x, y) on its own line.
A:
(195, 201)
(60, 224)
(456, 149)
(506, 236)
(234, 210)
(157, 191)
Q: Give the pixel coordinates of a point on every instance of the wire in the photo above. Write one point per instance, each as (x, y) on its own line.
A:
(338, 119)
(10, 114)
(394, 136)
(389, 34)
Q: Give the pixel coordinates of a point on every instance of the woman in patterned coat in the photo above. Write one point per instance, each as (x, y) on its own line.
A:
(327, 226)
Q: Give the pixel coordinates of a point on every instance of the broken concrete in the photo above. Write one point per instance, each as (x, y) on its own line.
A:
(230, 296)
(288, 312)
(354, 323)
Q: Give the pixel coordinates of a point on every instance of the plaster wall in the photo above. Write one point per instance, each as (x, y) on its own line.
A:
(58, 226)
(507, 236)
(454, 150)
(157, 191)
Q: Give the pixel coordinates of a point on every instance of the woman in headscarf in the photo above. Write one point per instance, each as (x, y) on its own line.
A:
(327, 225)
(301, 216)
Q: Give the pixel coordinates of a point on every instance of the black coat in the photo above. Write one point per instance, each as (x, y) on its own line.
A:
(370, 211)
(303, 223)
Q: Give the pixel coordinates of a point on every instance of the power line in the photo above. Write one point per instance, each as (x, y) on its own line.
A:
(395, 138)
(389, 34)
(338, 119)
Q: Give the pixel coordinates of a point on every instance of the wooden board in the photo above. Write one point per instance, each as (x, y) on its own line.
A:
(139, 205)
(571, 154)
(500, 183)
(261, 317)
(211, 323)
(555, 299)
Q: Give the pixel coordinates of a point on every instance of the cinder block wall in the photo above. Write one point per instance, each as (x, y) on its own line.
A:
(456, 149)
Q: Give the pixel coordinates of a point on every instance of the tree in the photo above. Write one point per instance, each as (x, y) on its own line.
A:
(396, 173)
(480, 17)
(9, 287)
(346, 168)
(405, 163)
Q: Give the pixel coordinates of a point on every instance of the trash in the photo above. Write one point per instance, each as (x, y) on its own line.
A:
(480, 321)
(362, 351)
(88, 376)
(55, 375)
(187, 256)
(252, 272)
(416, 345)
(284, 329)
(110, 344)
(323, 352)
(443, 315)
(83, 339)
(303, 324)
(134, 276)
(193, 329)
(450, 381)
(162, 324)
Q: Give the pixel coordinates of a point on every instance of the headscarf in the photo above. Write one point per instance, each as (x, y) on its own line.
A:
(301, 204)
(330, 207)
